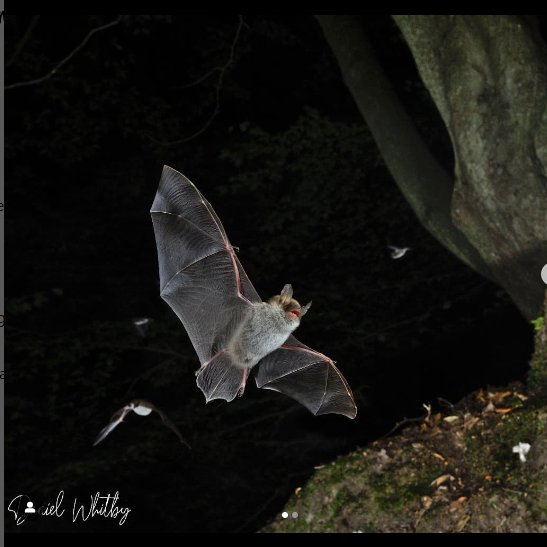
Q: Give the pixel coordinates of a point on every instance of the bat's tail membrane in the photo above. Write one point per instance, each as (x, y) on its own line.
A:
(221, 378)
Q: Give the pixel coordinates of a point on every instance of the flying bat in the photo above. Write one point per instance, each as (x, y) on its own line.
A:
(398, 252)
(230, 327)
(142, 408)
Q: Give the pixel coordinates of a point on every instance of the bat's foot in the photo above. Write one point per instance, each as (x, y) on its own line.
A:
(241, 389)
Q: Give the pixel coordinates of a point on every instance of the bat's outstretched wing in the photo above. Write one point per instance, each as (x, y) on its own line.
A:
(165, 419)
(200, 277)
(307, 376)
(142, 408)
(116, 419)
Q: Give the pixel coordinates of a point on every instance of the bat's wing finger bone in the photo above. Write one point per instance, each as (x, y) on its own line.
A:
(203, 367)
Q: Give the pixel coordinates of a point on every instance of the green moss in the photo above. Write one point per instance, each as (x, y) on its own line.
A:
(522, 426)
(491, 453)
(538, 323)
(342, 499)
(371, 492)
(478, 463)
(537, 377)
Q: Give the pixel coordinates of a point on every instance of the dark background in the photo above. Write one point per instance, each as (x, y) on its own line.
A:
(289, 165)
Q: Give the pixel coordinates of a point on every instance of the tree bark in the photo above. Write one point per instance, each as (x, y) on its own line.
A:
(488, 77)
(422, 180)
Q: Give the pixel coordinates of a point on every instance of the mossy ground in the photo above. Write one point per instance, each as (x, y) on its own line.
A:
(456, 474)
(453, 472)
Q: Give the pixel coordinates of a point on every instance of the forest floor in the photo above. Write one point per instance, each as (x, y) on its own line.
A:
(455, 470)
(450, 471)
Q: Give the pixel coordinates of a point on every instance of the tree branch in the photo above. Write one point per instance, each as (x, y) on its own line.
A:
(66, 59)
(24, 39)
(221, 73)
(424, 183)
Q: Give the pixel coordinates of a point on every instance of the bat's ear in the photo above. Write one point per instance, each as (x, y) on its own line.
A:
(286, 293)
(304, 309)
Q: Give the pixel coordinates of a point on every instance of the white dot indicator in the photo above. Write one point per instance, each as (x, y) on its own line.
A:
(544, 274)
(285, 514)
(294, 515)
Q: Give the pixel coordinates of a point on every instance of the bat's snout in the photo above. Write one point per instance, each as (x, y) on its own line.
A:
(300, 311)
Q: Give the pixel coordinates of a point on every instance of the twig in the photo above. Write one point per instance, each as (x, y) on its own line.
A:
(66, 59)
(148, 372)
(410, 320)
(278, 492)
(417, 318)
(143, 375)
(404, 421)
(200, 79)
(260, 510)
(514, 491)
(221, 73)
(264, 417)
(220, 68)
(21, 44)
(152, 350)
(446, 404)
(15, 331)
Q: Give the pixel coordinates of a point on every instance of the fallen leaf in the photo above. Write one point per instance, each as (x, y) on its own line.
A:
(498, 396)
(438, 456)
(503, 410)
(488, 478)
(298, 491)
(470, 422)
(441, 480)
(461, 499)
(451, 419)
(426, 502)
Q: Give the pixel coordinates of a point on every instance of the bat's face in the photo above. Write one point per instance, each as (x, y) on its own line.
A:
(291, 307)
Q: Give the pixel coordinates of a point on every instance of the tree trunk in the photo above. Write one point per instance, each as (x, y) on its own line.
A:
(488, 77)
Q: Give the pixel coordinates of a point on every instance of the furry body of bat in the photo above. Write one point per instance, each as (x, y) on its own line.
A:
(265, 328)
